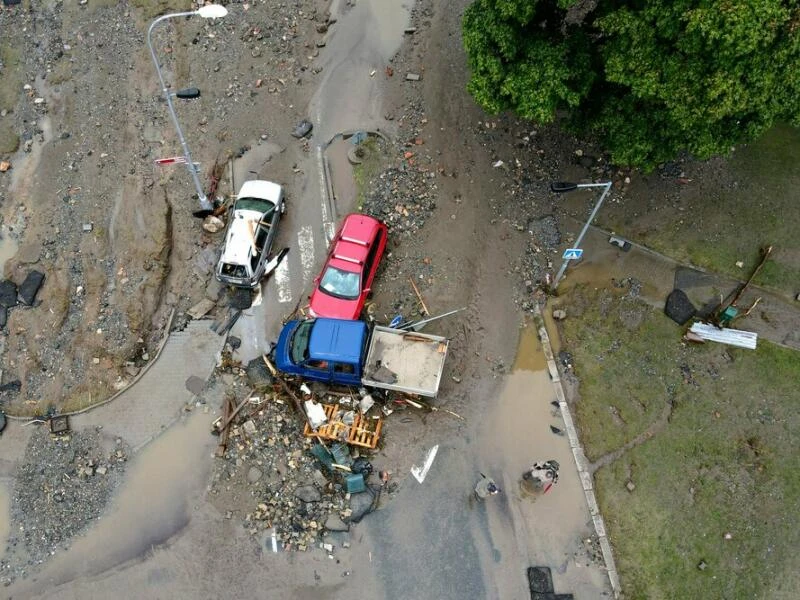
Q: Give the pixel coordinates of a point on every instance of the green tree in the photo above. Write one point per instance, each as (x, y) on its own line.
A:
(649, 78)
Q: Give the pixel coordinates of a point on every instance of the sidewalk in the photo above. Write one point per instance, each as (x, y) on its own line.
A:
(154, 402)
(146, 408)
(775, 318)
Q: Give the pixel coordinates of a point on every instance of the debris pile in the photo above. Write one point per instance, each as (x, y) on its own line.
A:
(303, 484)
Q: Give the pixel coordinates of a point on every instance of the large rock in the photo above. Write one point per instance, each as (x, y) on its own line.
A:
(12, 386)
(254, 474)
(678, 307)
(258, 374)
(30, 287)
(3, 316)
(307, 493)
(361, 504)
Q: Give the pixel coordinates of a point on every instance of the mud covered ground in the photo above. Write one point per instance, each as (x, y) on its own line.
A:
(466, 196)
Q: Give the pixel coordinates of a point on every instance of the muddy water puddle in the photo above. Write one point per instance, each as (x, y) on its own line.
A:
(5, 516)
(152, 506)
(548, 527)
(8, 247)
(601, 275)
(530, 356)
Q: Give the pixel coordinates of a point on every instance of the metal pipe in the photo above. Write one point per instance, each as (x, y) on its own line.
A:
(204, 203)
(607, 186)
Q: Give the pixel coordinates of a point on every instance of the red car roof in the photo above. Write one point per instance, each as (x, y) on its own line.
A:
(349, 254)
(352, 244)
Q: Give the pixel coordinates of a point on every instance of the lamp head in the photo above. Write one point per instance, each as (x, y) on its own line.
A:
(212, 11)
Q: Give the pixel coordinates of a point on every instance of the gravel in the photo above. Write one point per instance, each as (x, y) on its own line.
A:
(63, 484)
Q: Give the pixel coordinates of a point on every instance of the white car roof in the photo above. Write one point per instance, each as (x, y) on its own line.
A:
(239, 246)
(258, 188)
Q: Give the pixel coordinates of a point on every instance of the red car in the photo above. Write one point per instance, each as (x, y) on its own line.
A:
(346, 279)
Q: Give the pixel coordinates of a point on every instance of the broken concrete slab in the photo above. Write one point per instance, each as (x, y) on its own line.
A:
(307, 493)
(8, 293)
(201, 309)
(30, 287)
(29, 253)
(241, 299)
(335, 523)
(540, 580)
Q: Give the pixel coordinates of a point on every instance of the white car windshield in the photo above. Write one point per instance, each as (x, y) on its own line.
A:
(341, 284)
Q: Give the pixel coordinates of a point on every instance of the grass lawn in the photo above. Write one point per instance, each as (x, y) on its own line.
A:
(719, 224)
(717, 480)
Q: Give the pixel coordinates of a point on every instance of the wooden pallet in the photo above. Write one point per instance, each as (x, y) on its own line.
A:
(364, 431)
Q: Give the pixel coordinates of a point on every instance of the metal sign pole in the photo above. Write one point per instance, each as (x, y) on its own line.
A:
(204, 203)
(577, 244)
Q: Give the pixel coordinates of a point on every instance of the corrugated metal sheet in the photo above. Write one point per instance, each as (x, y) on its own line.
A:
(734, 337)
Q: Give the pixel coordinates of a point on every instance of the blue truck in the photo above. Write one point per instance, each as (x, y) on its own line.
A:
(351, 353)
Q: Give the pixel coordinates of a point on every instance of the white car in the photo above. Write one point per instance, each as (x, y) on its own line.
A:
(252, 226)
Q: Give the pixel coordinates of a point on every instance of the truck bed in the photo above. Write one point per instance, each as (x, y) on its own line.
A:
(405, 361)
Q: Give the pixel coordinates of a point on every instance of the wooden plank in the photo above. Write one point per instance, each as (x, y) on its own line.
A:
(232, 416)
(419, 297)
(227, 407)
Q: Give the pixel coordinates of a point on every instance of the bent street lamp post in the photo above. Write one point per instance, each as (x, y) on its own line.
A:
(211, 11)
(562, 187)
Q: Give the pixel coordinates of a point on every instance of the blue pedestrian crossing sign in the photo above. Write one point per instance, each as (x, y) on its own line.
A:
(572, 253)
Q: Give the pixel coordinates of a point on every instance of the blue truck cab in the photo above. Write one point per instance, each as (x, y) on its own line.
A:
(327, 350)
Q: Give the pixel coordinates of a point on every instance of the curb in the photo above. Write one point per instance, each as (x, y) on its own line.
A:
(330, 215)
(580, 458)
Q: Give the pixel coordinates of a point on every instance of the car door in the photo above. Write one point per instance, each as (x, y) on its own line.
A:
(371, 264)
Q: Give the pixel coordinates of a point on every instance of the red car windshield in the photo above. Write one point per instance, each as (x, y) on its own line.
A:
(340, 284)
